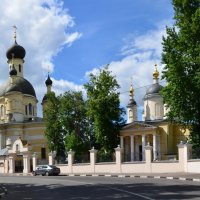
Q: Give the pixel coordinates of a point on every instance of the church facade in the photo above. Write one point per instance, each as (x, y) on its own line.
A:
(22, 133)
(154, 129)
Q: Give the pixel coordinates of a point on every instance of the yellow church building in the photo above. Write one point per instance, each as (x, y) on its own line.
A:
(21, 131)
(154, 129)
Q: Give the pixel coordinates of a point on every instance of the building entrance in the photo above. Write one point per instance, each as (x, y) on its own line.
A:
(19, 164)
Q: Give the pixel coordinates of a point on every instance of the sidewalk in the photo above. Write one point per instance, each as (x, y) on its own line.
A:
(173, 176)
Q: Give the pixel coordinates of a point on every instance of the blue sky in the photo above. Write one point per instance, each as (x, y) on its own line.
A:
(105, 26)
(73, 38)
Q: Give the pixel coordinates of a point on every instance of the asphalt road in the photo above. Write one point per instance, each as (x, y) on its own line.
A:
(96, 188)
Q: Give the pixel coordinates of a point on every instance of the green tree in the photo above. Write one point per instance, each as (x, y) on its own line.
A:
(75, 124)
(104, 108)
(181, 56)
(53, 131)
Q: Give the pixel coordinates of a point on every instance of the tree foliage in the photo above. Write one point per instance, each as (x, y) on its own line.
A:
(67, 126)
(104, 108)
(53, 125)
(181, 56)
(74, 120)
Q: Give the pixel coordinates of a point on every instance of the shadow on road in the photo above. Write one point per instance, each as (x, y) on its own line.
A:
(101, 191)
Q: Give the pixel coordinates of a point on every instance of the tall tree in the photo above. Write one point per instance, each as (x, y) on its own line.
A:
(74, 120)
(104, 108)
(181, 56)
(53, 125)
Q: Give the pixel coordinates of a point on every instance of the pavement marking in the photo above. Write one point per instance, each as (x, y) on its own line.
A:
(132, 193)
(170, 177)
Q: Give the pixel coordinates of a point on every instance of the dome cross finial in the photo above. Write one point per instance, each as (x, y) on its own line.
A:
(155, 73)
(131, 91)
(15, 32)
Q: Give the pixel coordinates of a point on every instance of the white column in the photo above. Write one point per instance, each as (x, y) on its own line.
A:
(1, 140)
(132, 147)
(121, 142)
(154, 146)
(11, 164)
(158, 147)
(137, 148)
(26, 161)
(143, 146)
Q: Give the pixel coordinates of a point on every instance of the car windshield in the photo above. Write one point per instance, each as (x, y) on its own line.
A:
(52, 166)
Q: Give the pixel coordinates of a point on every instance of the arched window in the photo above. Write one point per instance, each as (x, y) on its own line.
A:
(20, 69)
(157, 110)
(43, 153)
(26, 109)
(17, 147)
(2, 110)
(30, 109)
(130, 114)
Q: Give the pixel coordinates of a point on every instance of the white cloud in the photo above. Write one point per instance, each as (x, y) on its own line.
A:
(43, 29)
(63, 85)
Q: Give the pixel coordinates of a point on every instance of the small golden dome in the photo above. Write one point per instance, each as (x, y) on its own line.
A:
(131, 91)
(155, 73)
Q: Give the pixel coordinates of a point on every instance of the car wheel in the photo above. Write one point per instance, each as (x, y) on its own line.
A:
(34, 174)
(47, 173)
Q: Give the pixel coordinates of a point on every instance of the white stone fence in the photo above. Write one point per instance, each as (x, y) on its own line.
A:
(184, 164)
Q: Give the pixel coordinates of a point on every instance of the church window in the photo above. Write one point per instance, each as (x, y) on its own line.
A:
(130, 113)
(2, 110)
(17, 147)
(20, 68)
(26, 109)
(30, 108)
(43, 153)
(157, 109)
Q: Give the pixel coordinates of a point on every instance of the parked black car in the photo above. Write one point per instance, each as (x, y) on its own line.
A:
(46, 170)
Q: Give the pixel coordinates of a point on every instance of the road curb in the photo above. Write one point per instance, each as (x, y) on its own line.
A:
(138, 176)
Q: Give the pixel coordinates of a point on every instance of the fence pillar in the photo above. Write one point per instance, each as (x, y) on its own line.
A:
(118, 153)
(93, 154)
(70, 160)
(184, 153)
(34, 159)
(52, 157)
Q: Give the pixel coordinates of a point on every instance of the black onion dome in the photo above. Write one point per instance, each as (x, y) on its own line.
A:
(16, 50)
(20, 85)
(154, 88)
(48, 81)
(13, 72)
(131, 103)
